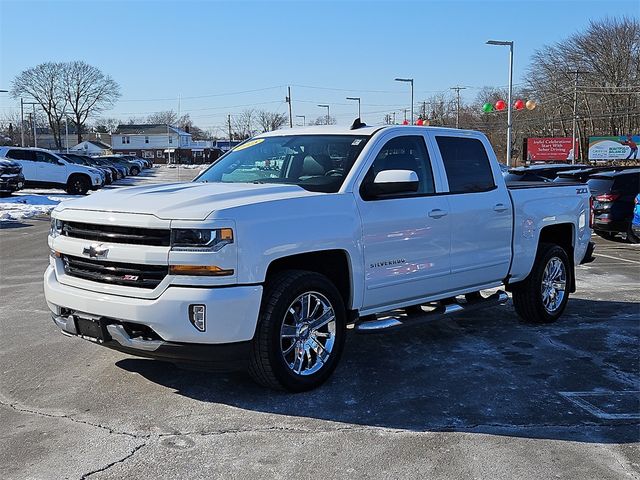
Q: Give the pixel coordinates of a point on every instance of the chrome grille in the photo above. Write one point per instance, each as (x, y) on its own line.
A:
(117, 234)
(114, 273)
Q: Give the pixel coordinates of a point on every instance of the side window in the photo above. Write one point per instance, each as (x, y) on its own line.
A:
(466, 164)
(405, 153)
(44, 157)
(16, 154)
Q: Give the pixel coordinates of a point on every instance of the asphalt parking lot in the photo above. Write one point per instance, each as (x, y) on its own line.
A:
(480, 395)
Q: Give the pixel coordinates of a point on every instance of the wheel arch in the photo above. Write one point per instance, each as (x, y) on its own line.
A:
(334, 264)
(563, 235)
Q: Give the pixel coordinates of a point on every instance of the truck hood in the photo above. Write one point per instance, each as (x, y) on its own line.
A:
(183, 201)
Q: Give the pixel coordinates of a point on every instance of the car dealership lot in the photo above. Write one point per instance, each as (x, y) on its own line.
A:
(477, 396)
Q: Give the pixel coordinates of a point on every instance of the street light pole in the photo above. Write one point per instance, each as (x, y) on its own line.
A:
(409, 80)
(358, 100)
(509, 125)
(21, 122)
(304, 119)
(327, 107)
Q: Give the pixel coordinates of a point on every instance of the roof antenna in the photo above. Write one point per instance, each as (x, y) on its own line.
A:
(357, 124)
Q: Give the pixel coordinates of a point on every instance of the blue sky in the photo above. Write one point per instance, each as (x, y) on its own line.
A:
(161, 50)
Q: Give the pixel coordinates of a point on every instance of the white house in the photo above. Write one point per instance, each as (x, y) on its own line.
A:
(154, 141)
(92, 148)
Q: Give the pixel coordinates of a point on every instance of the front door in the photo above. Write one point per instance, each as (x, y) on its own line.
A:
(406, 238)
(50, 169)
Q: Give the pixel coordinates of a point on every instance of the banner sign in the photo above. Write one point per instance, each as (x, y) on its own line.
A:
(623, 147)
(549, 149)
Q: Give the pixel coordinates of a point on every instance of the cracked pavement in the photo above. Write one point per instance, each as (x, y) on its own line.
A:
(480, 395)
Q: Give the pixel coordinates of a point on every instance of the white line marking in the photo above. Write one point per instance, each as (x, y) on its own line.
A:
(575, 398)
(617, 258)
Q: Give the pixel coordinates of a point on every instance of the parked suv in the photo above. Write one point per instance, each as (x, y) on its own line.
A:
(11, 178)
(44, 168)
(614, 194)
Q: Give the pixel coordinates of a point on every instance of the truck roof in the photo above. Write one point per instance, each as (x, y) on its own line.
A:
(362, 131)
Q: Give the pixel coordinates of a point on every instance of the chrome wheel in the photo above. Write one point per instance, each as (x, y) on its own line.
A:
(554, 281)
(308, 333)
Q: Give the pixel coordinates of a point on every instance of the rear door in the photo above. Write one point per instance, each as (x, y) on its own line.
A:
(481, 212)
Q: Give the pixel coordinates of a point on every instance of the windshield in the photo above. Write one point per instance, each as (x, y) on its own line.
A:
(317, 163)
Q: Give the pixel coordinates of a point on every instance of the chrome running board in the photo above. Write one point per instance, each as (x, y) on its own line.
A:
(393, 320)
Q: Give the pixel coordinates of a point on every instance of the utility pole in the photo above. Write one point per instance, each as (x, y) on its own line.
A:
(229, 124)
(21, 122)
(457, 89)
(405, 114)
(288, 100)
(575, 118)
(35, 135)
(394, 118)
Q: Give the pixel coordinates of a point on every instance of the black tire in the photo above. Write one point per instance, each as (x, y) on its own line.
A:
(135, 171)
(267, 364)
(5, 194)
(633, 236)
(605, 235)
(528, 296)
(78, 185)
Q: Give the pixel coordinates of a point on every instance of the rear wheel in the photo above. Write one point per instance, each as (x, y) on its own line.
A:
(78, 185)
(300, 334)
(135, 171)
(543, 295)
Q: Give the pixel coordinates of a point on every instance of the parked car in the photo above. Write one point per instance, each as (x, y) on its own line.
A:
(11, 177)
(118, 171)
(144, 162)
(581, 175)
(264, 269)
(130, 167)
(83, 160)
(614, 194)
(41, 167)
(538, 173)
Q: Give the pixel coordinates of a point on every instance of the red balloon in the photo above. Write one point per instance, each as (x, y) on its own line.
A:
(500, 105)
(419, 122)
(405, 122)
(519, 104)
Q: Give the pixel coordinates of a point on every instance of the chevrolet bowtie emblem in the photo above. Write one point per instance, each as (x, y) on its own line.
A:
(96, 251)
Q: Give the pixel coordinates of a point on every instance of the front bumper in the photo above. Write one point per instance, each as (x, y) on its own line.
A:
(232, 312)
(11, 182)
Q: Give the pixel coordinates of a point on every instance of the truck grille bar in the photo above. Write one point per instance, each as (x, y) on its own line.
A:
(127, 274)
(117, 234)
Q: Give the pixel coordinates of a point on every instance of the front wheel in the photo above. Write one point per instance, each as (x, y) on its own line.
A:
(633, 233)
(300, 334)
(543, 295)
(78, 185)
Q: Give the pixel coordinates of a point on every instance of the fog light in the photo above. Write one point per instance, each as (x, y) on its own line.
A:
(198, 316)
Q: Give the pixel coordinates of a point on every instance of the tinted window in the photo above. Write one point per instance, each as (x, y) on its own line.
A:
(45, 157)
(466, 163)
(627, 184)
(21, 154)
(405, 153)
(599, 185)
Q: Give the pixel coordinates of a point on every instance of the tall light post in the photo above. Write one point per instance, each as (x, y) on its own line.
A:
(304, 119)
(327, 107)
(510, 45)
(358, 100)
(409, 80)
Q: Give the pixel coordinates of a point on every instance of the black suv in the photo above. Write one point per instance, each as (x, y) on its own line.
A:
(538, 173)
(11, 178)
(613, 195)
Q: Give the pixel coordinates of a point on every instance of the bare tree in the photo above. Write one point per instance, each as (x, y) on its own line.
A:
(44, 83)
(88, 92)
(244, 124)
(269, 121)
(322, 120)
(107, 125)
(167, 117)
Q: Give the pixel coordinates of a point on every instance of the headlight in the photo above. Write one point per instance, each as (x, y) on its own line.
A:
(56, 227)
(200, 239)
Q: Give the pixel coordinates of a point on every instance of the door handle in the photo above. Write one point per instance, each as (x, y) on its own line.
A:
(500, 207)
(437, 213)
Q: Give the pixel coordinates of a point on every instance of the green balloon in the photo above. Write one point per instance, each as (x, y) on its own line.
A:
(487, 107)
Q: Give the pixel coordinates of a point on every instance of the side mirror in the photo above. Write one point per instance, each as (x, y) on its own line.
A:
(391, 182)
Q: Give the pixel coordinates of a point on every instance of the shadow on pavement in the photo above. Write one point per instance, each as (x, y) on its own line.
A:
(480, 373)
(11, 224)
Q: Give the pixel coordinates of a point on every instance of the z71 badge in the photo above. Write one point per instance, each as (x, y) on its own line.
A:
(582, 190)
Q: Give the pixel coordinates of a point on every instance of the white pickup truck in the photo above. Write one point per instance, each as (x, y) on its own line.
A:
(368, 228)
